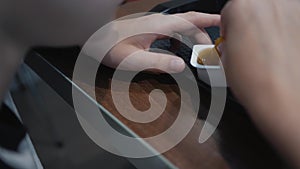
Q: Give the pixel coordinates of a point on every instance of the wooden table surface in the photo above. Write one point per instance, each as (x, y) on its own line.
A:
(235, 144)
(189, 153)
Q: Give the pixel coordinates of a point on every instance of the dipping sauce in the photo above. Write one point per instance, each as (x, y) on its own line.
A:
(211, 56)
(208, 56)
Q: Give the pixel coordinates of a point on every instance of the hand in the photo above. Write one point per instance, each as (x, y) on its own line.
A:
(158, 24)
(261, 58)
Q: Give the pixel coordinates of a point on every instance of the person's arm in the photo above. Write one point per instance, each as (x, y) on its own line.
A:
(261, 52)
(12, 54)
(142, 32)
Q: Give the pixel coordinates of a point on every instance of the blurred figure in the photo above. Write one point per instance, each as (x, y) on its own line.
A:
(49, 23)
(262, 66)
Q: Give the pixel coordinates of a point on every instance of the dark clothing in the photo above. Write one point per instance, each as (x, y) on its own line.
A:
(12, 132)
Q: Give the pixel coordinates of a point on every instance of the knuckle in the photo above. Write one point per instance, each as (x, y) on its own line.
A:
(191, 14)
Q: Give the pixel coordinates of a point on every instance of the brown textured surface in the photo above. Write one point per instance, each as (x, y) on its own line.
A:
(236, 143)
(188, 154)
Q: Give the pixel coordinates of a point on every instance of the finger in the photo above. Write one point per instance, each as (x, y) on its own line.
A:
(225, 17)
(231, 16)
(201, 20)
(202, 37)
(179, 23)
(198, 21)
(146, 60)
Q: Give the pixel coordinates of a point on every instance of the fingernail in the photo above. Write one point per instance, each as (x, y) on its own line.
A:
(177, 65)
